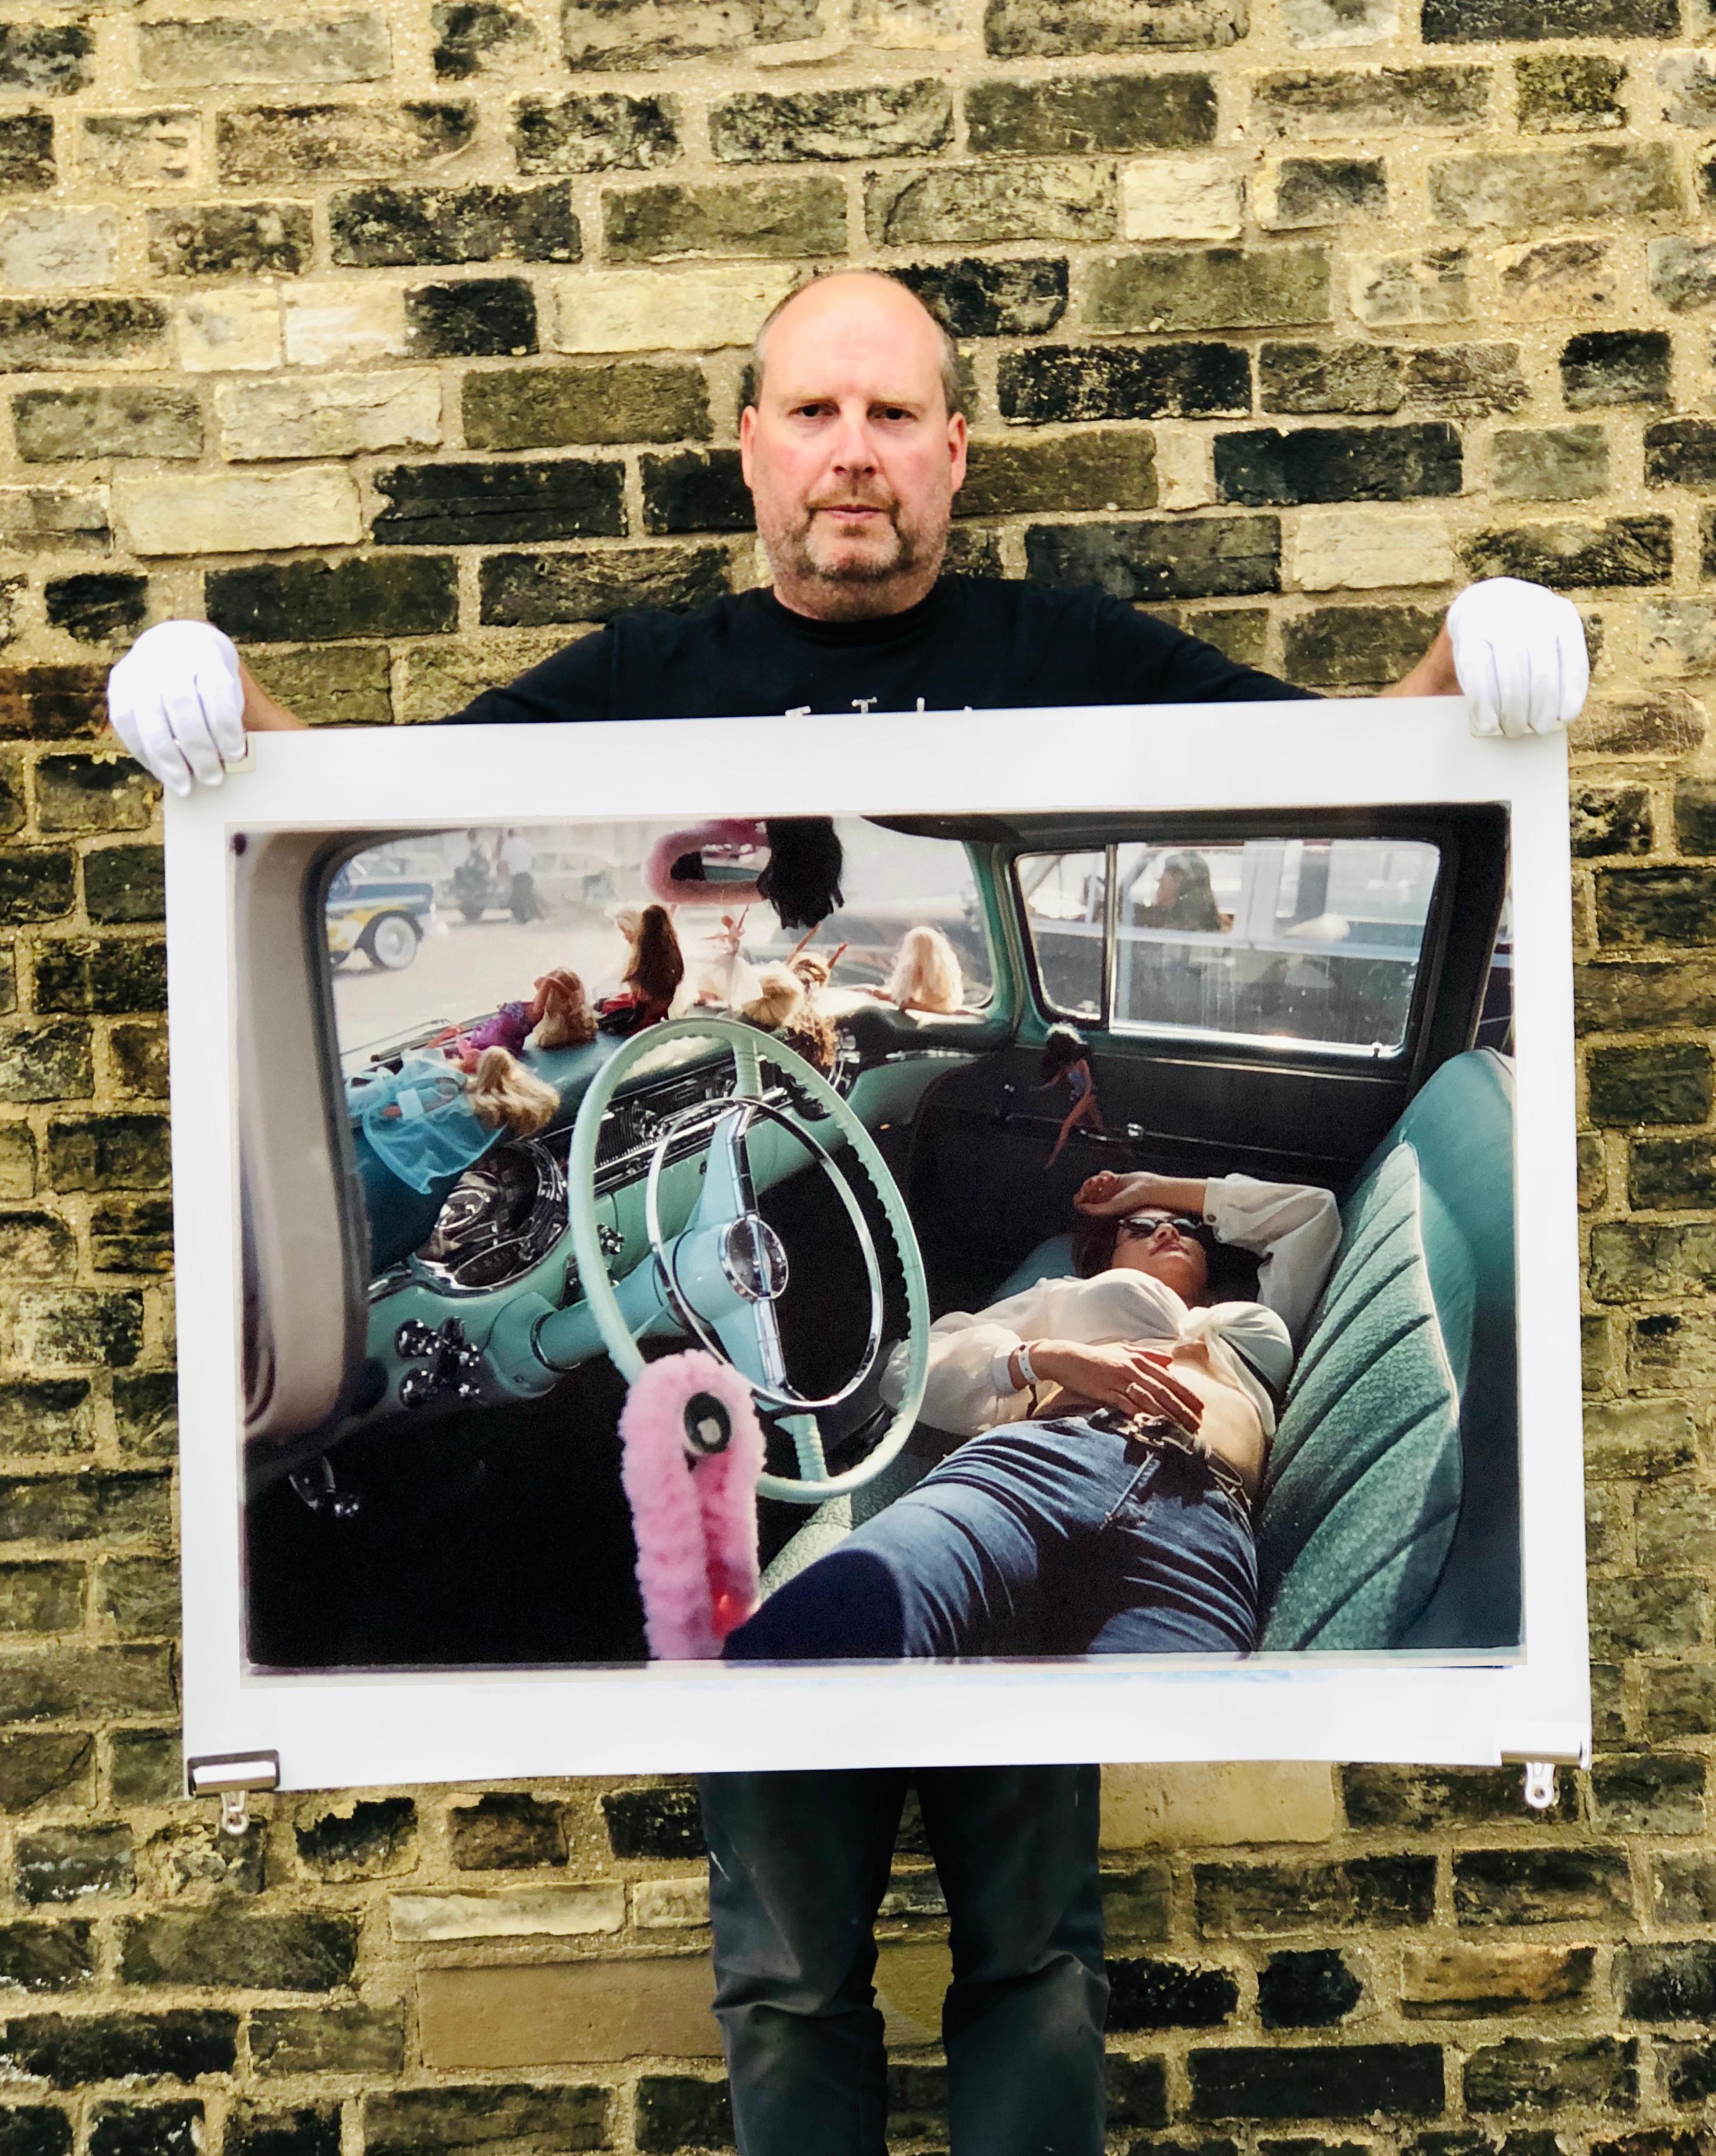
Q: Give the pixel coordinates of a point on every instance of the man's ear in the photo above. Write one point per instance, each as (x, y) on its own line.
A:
(958, 435)
(747, 436)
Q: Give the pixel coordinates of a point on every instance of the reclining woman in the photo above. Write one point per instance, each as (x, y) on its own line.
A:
(1118, 1425)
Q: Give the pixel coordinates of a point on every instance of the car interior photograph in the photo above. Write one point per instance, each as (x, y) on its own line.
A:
(868, 1110)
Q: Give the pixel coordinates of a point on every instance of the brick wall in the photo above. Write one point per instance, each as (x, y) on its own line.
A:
(406, 344)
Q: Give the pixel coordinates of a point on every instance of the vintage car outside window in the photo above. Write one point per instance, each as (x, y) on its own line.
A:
(1307, 940)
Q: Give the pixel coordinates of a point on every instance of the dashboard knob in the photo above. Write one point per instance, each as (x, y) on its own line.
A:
(414, 1340)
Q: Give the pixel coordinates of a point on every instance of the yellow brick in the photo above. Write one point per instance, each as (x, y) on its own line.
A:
(649, 310)
(1216, 1806)
(234, 513)
(557, 2014)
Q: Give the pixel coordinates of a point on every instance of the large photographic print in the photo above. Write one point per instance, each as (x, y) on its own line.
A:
(901, 1233)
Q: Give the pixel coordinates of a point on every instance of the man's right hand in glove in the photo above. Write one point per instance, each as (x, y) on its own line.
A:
(181, 701)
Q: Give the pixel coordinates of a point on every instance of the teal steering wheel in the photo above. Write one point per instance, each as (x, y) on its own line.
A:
(718, 1279)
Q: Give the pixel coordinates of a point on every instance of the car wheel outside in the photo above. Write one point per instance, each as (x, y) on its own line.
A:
(390, 941)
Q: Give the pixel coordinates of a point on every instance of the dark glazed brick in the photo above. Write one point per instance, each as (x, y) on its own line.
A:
(1533, 2073)
(104, 975)
(34, 2130)
(314, 2130)
(58, 1327)
(1695, 815)
(1620, 551)
(50, 57)
(54, 333)
(1138, 2094)
(502, 1832)
(125, 883)
(1312, 377)
(622, 400)
(1545, 1886)
(976, 298)
(1338, 102)
(663, 1822)
(1091, 113)
(383, 228)
(696, 491)
(131, 1235)
(1310, 1990)
(35, 884)
(1667, 1983)
(1649, 1793)
(1242, 1901)
(138, 1054)
(1614, 819)
(148, 1766)
(1324, 190)
(418, 2122)
(319, 2040)
(27, 152)
(155, 2129)
(66, 1863)
(1204, 557)
(1707, 544)
(1681, 452)
(45, 1958)
(678, 2111)
(599, 134)
(891, 119)
(1657, 905)
(67, 2052)
(102, 607)
(464, 505)
(1494, 22)
(1688, 2072)
(74, 1508)
(231, 240)
(773, 219)
(11, 795)
(106, 1152)
(1052, 383)
(45, 1415)
(1355, 647)
(53, 703)
(529, 590)
(1144, 1994)
(1026, 30)
(45, 1062)
(370, 1837)
(1563, 92)
(1338, 464)
(1101, 470)
(267, 144)
(1468, 381)
(1602, 368)
(1670, 1084)
(467, 31)
(141, 1595)
(260, 1953)
(38, 1766)
(1337, 2081)
(478, 318)
(1138, 1905)
(36, 1246)
(295, 602)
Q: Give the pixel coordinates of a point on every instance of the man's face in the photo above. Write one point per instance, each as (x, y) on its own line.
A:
(850, 452)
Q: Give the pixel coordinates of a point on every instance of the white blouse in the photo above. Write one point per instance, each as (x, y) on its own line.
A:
(1294, 1228)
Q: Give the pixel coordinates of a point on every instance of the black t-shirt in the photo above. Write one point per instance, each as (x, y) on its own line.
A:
(976, 642)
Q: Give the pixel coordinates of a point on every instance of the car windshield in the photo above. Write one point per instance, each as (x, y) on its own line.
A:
(436, 931)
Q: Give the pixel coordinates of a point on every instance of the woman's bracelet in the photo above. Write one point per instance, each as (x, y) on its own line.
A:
(1028, 1377)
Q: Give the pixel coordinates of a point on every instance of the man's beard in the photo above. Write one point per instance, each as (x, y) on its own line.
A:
(851, 577)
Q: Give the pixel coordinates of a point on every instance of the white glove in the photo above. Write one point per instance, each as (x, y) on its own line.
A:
(1519, 653)
(177, 703)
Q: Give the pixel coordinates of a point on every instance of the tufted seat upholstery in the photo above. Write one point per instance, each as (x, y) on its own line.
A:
(1390, 1516)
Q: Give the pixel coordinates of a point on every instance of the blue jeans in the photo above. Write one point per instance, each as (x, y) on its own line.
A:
(798, 1866)
(1036, 1538)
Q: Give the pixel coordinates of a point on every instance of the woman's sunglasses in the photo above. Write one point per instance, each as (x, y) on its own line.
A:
(1147, 1223)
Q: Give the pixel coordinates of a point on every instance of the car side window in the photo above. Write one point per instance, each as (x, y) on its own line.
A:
(1314, 939)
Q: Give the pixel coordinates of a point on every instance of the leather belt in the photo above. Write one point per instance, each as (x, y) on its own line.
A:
(1157, 1434)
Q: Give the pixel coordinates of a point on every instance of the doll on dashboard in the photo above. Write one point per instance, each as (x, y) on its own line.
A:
(652, 976)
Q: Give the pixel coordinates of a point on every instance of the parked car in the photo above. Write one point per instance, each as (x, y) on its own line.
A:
(383, 917)
(433, 1461)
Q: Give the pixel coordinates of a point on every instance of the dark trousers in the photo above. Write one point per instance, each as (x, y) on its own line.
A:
(798, 1867)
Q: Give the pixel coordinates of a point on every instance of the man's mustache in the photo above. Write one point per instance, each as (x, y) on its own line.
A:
(846, 501)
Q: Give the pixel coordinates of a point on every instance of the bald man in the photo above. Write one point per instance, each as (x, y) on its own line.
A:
(853, 445)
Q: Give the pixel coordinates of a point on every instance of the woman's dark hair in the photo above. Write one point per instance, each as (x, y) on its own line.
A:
(801, 878)
(657, 966)
(1063, 1046)
(1233, 1273)
(1193, 904)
